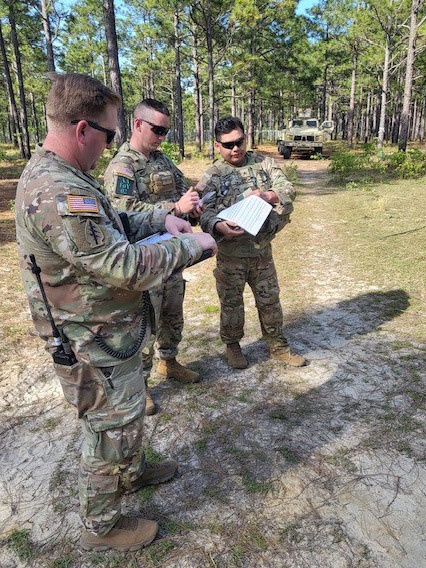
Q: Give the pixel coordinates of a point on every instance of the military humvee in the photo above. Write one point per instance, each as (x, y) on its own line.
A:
(304, 135)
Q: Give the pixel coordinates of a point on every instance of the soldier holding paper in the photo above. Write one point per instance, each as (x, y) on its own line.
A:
(142, 178)
(242, 257)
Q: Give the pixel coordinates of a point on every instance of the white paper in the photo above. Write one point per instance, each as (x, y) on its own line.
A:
(155, 238)
(249, 213)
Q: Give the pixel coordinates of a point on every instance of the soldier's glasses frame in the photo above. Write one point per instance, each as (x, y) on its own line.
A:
(157, 130)
(230, 145)
(110, 134)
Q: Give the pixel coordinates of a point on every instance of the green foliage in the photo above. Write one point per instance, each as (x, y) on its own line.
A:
(409, 164)
(290, 170)
(345, 163)
(19, 542)
(371, 165)
(171, 150)
(211, 309)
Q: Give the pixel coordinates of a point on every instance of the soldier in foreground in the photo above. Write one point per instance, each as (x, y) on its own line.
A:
(142, 178)
(243, 258)
(72, 240)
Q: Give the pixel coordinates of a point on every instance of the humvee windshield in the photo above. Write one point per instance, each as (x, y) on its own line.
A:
(313, 123)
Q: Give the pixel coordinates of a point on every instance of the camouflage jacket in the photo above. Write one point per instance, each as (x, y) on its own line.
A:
(135, 183)
(229, 184)
(93, 276)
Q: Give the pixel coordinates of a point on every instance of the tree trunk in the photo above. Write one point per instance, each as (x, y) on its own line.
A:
(260, 125)
(351, 111)
(48, 36)
(385, 79)
(35, 117)
(15, 131)
(233, 97)
(178, 89)
(210, 64)
(114, 66)
(197, 89)
(250, 129)
(26, 152)
(405, 114)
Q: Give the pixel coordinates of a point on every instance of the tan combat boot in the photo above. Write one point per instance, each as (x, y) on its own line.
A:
(155, 473)
(235, 357)
(129, 534)
(171, 369)
(150, 406)
(282, 353)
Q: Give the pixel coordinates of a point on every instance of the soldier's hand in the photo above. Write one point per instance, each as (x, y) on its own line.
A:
(229, 229)
(198, 211)
(269, 196)
(188, 202)
(176, 225)
(207, 242)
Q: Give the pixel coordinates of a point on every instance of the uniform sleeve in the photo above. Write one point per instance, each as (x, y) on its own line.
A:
(210, 181)
(281, 186)
(120, 185)
(80, 232)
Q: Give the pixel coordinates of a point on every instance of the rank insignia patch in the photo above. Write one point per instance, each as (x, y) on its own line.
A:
(82, 204)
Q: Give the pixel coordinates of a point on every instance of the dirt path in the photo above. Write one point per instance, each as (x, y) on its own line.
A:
(278, 467)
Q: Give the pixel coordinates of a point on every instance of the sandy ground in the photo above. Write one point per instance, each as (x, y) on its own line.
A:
(278, 467)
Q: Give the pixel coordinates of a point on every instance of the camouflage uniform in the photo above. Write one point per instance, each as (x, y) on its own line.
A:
(94, 280)
(136, 183)
(247, 259)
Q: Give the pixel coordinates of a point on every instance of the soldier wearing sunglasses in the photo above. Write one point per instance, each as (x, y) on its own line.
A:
(243, 258)
(140, 178)
(86, 279)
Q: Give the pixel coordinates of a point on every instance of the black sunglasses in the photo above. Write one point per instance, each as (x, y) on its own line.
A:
(230, 145)
(158, 130)
(110, 133)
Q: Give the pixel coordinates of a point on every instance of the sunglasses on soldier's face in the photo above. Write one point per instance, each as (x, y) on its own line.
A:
(157, 130)
(230, 145)
(110, 134)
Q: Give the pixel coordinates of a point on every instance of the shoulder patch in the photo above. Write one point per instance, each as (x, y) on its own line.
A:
(123, 180)
(121, 170)
(82, 204)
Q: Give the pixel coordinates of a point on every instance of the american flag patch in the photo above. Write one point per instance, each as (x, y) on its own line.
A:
(121, 170)
(82, 204)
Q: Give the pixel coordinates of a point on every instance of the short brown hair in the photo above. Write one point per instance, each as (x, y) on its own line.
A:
(77, 96)
(151, 104)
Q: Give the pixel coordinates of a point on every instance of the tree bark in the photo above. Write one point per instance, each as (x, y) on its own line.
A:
(211, 89)
(15, 131)
(351, 111)
(26, 152)
(197, 90)
(405, 114)
(178, 89)
(48, 36)
(385, 79)
(233, 97)
(114, 66)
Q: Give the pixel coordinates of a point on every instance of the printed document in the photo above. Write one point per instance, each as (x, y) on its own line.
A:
(249, 213)
(155, 238)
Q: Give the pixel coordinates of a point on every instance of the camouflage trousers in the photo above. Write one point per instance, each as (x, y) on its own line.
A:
(112, 453)
(168, 304)
(232, 274)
